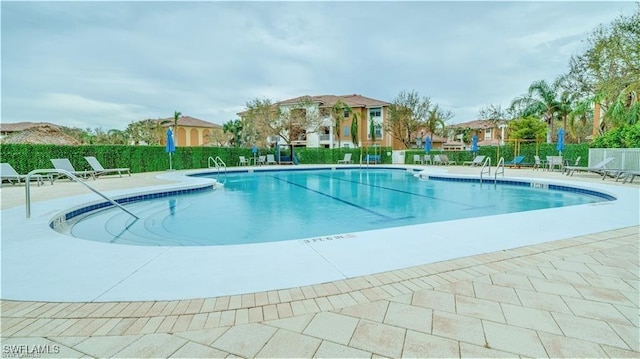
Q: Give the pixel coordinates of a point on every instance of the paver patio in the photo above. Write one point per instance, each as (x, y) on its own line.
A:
(577, 297)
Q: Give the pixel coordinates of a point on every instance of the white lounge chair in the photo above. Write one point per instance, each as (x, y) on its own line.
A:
(417, 159)
(346, 159)
(445, 160)
(261, 160)
(476, 161)
(427, 160)
(9, 174)
(65, 164)
(597, 168)
(271, 159)
(99, 170)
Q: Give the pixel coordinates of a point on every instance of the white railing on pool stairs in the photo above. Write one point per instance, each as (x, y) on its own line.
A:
(486, 164)
(218, 163)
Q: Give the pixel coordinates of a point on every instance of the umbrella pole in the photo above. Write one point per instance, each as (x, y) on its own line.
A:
(170, 163)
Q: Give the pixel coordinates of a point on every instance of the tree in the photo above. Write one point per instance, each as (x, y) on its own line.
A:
(540, 100)
(608, 72)
(527, 128)
(147, 131)
(354, 129)
(286, 121)
(437, 119)
(234, 127)
(407, 113)
(337, 114)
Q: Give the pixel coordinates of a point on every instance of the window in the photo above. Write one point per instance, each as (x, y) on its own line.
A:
(346, 113)
(345, 131)
(487, 134)
(378, 129)
(375, 112)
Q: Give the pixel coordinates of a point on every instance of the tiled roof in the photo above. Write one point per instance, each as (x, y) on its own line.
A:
(477, 124)
(188, 121)
(353, 100)
(21, 126)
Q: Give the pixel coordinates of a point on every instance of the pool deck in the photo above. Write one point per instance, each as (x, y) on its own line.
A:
(574, 296)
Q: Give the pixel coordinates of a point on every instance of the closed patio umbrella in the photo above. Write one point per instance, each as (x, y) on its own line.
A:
(560, 145)
(474, 144)
(170, 147)
(427, 144)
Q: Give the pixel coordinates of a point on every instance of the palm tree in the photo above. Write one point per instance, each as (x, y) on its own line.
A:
(540, 100)
(176, 117)
(436, 118)
(234, 127)
(337, 112)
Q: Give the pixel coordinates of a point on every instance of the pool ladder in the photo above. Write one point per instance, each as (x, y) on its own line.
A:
(73, 178)
(486, 164)
(218, 163)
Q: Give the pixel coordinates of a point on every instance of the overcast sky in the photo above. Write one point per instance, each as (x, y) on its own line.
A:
(107, 64)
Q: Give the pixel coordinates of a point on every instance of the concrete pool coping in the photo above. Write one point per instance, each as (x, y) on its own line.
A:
(42, 265)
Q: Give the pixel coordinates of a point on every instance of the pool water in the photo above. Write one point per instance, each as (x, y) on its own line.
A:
(286, 205)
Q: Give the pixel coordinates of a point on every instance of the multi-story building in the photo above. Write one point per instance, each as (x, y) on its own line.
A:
(489, 132)
(192, 131)
(363, 109)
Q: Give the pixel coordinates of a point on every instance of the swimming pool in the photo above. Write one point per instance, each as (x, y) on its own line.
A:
(270, 206)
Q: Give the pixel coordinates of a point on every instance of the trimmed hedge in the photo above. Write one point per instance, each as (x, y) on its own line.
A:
(571, 151)
(27, 157)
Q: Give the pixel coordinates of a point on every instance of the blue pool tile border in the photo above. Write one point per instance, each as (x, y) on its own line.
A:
(142, 197)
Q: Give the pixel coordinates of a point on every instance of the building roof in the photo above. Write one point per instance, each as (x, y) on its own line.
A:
(188, 121)
(354, 100)
(21, 126)
(478, 124)
(40, 133)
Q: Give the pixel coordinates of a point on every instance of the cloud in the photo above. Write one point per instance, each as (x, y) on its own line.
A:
(109, 63)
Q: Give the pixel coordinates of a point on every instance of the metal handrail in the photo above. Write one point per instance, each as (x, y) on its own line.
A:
(498, 166)
(218, 162)
(72, 177)
(487, 164)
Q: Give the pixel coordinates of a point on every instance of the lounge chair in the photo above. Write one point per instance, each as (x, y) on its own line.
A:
(261, 160)
(476, 161)
(9, 174)
(243, 161)
(417, 159)
(65, 164)
(346, 159)
(516, 162)
(445, 160)
(99, 170)
(599, 167)
(437, 160)
(427, 160)
(271, 159)
(371, 159)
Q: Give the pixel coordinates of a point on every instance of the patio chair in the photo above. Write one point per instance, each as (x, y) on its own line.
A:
(271, 159)
(346, 159)
(576, 163)
(417, 159)
(445, 160)
(9, 174)
(437, 160)
(65, 164)
(538, 162)
(99, 170)
(261, 160)
(597, 168)
(476, 161)
(427, 160)
(243, 161)
(553, 162)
